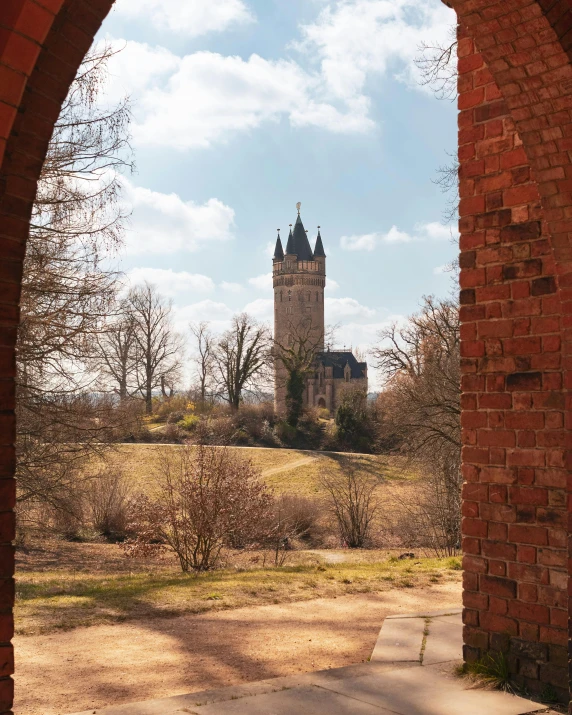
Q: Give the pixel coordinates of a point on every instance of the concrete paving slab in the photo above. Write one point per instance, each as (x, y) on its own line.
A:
(309, 701)
(457, 618)
(444, 642)
(182, 703)
(424, 691)
(399, 641)
(428, 614)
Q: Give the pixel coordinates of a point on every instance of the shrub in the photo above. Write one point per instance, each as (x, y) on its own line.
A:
(353, 504)
(163, 408)
(107, 497)
(189, 422)
(284, 431)
(207, 498)
(290, 517)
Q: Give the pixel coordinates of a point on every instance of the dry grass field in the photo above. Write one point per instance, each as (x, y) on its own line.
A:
(285, 470)
(61, 585)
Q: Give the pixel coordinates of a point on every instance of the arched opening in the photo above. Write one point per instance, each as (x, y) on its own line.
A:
(515, 249)
(322, 403)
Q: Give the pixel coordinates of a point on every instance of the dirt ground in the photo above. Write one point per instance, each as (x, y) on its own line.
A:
(88, 668)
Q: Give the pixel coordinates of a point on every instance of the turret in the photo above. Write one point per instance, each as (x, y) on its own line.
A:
(278, 251)
(299, 278)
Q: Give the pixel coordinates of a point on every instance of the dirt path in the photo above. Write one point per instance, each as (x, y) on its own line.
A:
(92, 667)
(288, 466)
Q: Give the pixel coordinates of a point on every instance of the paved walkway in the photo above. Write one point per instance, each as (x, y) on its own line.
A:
(410, 673)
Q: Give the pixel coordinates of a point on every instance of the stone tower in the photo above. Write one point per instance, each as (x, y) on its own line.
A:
(299, 278)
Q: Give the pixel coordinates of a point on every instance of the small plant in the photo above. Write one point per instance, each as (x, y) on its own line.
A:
(189, 422)
(493, 670)
(454, 564)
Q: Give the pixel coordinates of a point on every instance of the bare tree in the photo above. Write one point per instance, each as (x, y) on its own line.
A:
(437, 63)
(421, 364)
(204, 359)
(242, 358)
(116, 354)
(158, 347)
(352, 496)
(67, 289)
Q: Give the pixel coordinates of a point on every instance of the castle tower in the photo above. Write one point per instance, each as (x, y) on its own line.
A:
(299, 278)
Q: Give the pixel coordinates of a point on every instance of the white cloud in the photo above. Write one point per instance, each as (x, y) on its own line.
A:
(193, 101)
(331, 284)
(171, 282)
(432, 231)
(211, 97)
(263, 282)
(369, 241)
(231, 287)
(261, 308)
(339, 308)
(217, 314)
(437, 231)
(188, 17)
(164, 223)
(354, 39)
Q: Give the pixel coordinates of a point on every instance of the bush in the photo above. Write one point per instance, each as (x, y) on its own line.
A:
(207, 498)
(107, 497)
(165, 407)
(354, 428)
(189, 422)
(284, 431)
(353, 504)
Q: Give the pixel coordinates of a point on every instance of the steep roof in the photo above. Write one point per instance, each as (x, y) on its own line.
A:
(290, 244)
(338, 360)
(319, 249)
(301, 244)
(278, 251)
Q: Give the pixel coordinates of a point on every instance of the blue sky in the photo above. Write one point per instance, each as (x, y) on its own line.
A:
(244, 107)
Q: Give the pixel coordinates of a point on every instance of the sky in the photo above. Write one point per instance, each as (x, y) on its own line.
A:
(241, 108)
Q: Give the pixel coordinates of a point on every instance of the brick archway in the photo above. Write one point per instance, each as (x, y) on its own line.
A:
(515, 137)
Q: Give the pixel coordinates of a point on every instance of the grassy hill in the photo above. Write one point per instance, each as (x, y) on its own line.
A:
(285, 470)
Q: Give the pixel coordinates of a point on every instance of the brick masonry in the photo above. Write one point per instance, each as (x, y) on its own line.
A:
(515, 143)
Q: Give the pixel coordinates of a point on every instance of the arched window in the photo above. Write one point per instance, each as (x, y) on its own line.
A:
(289, 295)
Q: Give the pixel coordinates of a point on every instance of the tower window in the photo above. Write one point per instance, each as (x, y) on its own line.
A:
(289, 295)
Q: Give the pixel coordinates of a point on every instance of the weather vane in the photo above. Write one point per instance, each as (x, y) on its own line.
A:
(298, 206)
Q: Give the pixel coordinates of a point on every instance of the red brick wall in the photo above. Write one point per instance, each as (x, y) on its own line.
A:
(513, 420)
(42, 43)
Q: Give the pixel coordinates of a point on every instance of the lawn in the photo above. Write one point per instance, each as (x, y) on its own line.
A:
(64, 586)
(286, 470)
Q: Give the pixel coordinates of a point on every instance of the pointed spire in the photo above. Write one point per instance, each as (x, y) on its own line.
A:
(319, 249)
(278, 251)
(290, 245)
(300, 240)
